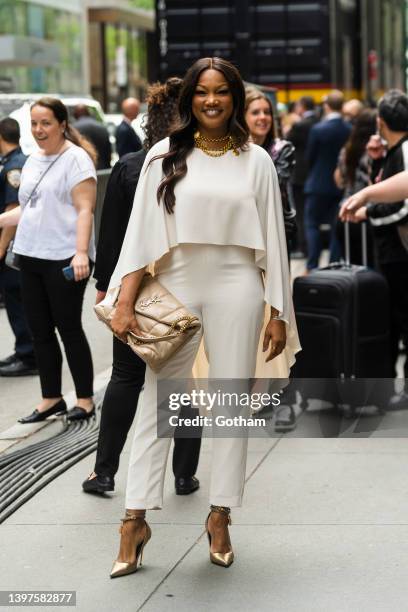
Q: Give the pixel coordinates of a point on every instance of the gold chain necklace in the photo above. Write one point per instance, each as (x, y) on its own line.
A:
(201, 137)
(229, 145)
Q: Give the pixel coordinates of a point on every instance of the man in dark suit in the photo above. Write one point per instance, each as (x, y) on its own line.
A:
(96, 133)
(325, 141)
(298, 135)
(127, 141)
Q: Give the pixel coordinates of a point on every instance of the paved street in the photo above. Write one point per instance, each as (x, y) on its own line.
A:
(323, 527)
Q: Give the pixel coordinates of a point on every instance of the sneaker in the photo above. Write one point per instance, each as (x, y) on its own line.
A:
(399, 401)
(285, 419)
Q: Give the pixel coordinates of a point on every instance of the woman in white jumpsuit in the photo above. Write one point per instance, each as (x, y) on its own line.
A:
(207, 211)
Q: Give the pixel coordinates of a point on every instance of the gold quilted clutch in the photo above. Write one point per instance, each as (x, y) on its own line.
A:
(166, 325)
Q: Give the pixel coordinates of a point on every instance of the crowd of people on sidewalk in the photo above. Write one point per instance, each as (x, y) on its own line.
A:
(265, 188)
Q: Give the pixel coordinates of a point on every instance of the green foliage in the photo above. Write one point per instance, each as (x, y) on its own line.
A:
(143, 4)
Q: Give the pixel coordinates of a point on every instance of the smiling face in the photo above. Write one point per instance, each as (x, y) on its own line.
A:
(212, 104)
(48, 132)
(259, 120)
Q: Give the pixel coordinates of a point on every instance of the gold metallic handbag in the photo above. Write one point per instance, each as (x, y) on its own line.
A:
(166, 325)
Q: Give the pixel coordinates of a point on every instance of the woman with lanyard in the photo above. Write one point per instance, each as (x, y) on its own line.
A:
(54, 232)
(207, 210)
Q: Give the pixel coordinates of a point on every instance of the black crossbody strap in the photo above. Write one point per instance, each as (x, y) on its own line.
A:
(44, 173)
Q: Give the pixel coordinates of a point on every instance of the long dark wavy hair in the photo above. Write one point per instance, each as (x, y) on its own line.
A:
(182, 136)
(364, 127)
(60, 112)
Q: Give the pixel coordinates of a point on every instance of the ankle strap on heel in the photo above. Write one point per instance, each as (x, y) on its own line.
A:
(222, 510)
(133, 517)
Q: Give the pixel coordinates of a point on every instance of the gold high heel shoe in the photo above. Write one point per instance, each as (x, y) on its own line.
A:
(223, 559)
(122, 568)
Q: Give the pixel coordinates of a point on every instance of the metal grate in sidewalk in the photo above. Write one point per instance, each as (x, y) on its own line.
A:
(25, 472)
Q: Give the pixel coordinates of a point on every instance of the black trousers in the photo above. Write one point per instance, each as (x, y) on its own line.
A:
(299, 243)
(397, 279)
(118, 411)
(11, 289)
(51, 302)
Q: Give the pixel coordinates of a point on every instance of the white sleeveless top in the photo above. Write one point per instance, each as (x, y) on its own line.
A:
(48, 224)
(228, 200)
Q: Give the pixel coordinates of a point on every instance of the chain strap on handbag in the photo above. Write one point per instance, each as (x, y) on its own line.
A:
(168, 335)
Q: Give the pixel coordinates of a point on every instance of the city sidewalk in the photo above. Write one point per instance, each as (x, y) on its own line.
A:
(323, 528)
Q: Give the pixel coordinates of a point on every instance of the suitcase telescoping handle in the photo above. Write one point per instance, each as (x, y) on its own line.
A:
(363, 242)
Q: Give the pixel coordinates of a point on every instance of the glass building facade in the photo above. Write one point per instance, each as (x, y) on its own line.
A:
(46, 46)
(75, 47)
(118, 60)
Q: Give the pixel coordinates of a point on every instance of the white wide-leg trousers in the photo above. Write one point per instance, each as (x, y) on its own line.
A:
(223, 287)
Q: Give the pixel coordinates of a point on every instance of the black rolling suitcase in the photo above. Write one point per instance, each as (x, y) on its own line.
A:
(342, 313)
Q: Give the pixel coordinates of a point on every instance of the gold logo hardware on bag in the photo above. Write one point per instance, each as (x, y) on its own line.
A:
(166, 325)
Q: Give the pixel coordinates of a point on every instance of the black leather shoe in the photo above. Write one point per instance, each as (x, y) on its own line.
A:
(8, 360)
(399, 401)
(18, 368)
(285, 419)
(36, 416)
(99, 484)
(185, 486)
(80, 414)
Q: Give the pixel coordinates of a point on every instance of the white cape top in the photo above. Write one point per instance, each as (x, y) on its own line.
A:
(228, 200)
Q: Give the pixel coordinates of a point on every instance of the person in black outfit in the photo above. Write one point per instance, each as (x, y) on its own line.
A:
(96, 133)
(127, 141)
(22, 362)
(128, 373)
(324, 144)
(386, 221)
(353, 173)
(298, 135)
